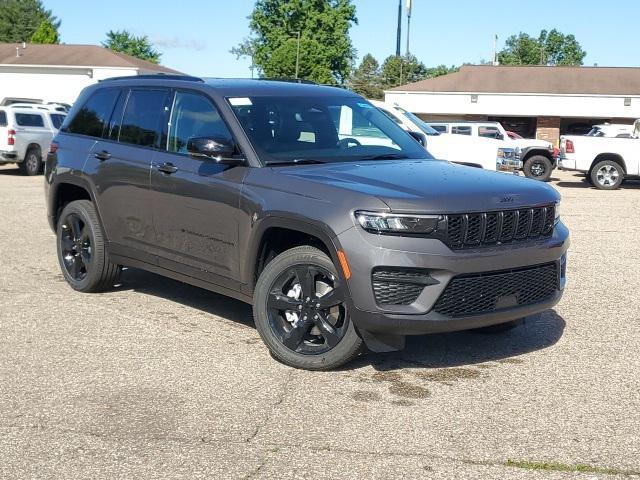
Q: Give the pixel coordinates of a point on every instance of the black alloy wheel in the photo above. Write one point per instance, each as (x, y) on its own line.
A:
(301, 311)
(82, 252)
(306, 310)
(76, 249)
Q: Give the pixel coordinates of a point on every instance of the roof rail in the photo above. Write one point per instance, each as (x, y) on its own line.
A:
(289, 80)
(156, 76)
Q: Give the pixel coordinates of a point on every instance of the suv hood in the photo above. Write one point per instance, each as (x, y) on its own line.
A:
(429, 186)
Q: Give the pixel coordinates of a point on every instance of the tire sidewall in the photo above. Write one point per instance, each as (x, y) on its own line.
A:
(95, 269)
(548, 167)
(598, 166)
(335, 357)
(38, 163)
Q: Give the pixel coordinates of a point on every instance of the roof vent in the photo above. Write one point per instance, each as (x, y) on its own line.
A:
(627, 102)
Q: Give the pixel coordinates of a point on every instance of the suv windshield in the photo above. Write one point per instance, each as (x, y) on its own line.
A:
(426, 129)
(321, 129)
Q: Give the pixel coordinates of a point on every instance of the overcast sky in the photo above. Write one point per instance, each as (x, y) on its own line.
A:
(195, 36)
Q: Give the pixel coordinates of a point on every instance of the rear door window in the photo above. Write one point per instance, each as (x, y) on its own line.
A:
(143, 115)
(29, 119)
(461, 130)
(3, 118)
(93, 116)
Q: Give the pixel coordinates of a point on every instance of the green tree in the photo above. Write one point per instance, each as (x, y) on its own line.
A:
(560, 49)
(19, 20)
(366, 80)
(124, 42)
(402, 70)
(550, 48)
(440, 70)
(326, 51)
(46, 33)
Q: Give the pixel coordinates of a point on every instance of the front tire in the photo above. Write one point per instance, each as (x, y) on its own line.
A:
(82, 255)
(32, 163)
(538, 167)
(607, 175)
(300, 311)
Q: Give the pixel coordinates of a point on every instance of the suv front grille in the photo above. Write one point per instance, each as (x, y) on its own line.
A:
(482, 229)
(485, 292)
(398, 286)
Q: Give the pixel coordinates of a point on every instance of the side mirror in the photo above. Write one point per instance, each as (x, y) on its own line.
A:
(419, 137)
(215, 148)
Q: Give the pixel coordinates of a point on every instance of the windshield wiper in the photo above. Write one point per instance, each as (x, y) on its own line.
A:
(295, 161)
(386, 156)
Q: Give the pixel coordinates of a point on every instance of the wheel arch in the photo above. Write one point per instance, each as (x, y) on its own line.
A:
(537, 151)
(65, 192)
(609, 156)
(277, 234)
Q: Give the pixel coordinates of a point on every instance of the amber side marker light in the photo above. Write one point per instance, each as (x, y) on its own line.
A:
(344, 264)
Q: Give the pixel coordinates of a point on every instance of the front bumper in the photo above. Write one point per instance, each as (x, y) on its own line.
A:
(367, 252)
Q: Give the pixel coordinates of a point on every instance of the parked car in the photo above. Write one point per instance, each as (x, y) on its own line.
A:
(248, 188)
(611, 130)
(473, 152)
(25, 136)
(607, 162)
(538, 160)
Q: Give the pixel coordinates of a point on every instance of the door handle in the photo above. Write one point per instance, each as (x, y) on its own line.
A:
(102, 156)
(168, 168)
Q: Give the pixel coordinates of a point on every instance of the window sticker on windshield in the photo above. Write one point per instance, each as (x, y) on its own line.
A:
(240, 101)
(364, 105)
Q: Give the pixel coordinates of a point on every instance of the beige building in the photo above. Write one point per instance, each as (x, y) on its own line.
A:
(534, 101)
(57, 73)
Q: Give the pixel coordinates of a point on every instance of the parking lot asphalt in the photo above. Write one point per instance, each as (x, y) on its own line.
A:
(157, 379)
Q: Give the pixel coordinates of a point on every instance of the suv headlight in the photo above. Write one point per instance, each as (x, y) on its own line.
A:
(398, 224)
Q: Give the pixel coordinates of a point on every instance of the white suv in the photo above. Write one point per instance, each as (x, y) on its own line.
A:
(26, 134)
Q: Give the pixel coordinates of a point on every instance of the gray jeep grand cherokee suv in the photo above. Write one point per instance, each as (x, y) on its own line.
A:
(305, 201)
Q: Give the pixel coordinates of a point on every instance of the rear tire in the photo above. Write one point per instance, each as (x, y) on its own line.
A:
(607, 175)
(538, 167)
(82, 255)
(500, 327)
(32, 163)
(300, 311)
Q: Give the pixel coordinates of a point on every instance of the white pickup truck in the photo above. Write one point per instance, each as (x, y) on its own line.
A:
(606, 161)
(26, 133)
(537, 156)
(474, 152)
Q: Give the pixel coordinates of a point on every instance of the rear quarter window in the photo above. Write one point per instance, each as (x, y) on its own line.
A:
(3, 118)
(29, 119)
(94, 115)
(57, 119)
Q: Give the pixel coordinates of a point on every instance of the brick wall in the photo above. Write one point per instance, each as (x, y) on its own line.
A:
(549, 129)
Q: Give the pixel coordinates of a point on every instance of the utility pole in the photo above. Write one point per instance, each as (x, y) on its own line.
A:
(409, 8)
(399, 37)
(298, 56)
(495, 50)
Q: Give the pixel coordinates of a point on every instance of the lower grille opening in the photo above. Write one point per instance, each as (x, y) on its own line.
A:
(399, 286)
(486, 292)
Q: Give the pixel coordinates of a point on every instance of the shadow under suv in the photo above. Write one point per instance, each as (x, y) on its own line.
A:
(305, 201)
